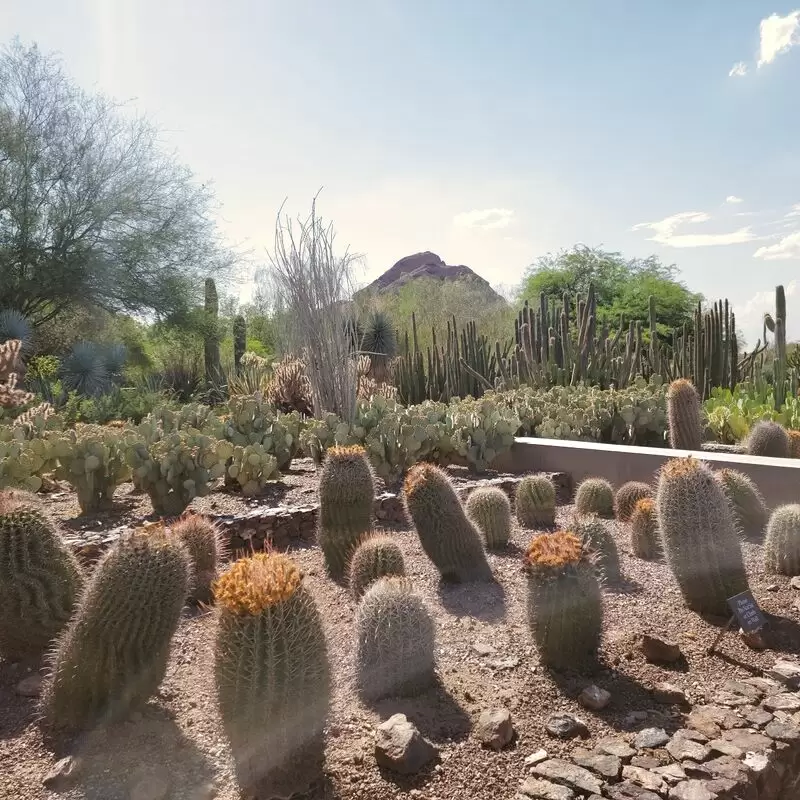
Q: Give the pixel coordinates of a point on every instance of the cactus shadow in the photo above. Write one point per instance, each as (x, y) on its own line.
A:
(18, 712)
(623, 586)
(483, 600)
(782, 634)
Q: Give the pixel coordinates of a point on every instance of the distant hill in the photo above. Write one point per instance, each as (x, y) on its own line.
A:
(426, 265)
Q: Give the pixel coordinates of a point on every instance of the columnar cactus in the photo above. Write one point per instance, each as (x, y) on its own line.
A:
(684, 416)
(565, 604)
(272, 675)
(598, 539)
(211, 334)
(644, 533)
(595, 496)
(490, 509)
(747, 503)
(535, 502)
(767, 438)
(239, 341)
(699, 536)
(375, 557)
(395, 643)
(628, 495)
(782, 542)
(448, 537)
(40, 580)
(206, 549)
(113, 654)
(346, 499)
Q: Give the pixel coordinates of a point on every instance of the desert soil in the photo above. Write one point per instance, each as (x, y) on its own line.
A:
(485, 656)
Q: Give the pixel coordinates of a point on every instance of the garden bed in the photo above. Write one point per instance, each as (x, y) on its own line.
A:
(174, 748)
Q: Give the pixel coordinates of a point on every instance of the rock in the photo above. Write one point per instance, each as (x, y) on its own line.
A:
(571, 775)
(729, 699)
(630, 791)
(633, 718)
(566, 726)
(150, 787)
(660, 651)
(648, 762)
(755, 640)
(691, 790)
(536, 758)
(725, 747)
(782, 702)
(710, 720)
(783, 732)
(679, 747)
(503, 663)
(787, 673)
(545, 790)
(616, 747)
(30, 686)
(671, 773)
(594, 698)
(747, 741)
(644, 778)
(752, 693)
(772, 587)
(757, 762)
(650, 738)
(495, 728)
(400, 747)
(64, 774)
(757, 716)
(795, 582)
(483, 648)
(605, 765)
(766, 685)
(669, 693)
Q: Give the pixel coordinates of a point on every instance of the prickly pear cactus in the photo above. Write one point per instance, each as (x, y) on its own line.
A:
(782, 542)
(254, 421)
(747, 503)
(770, 439)
(565, 604)
(375, 557)
(596, 535)
(645, 537)
(595, 496)
(396, 641)
(490, 509)
(252, 468)
(448, 537)
(113, 654)
(482, 430)
(40, 580)
(272, 675)
(628, 495)
(22, 463)
(206, 549)
(685, 416)
(536, 502)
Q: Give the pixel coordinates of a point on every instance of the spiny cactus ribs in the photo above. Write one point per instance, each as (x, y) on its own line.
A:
(596, 535)
(684, 416)
(535, 502)
(769, 439)
(206, 549)
(490, 509)
(375, 557)
(747, 504)
(644, 534)
(595, 496)
(272, 675)
(782, 542)
(628, 495)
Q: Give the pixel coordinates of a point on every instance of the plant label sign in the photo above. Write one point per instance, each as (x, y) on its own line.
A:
(746, 609)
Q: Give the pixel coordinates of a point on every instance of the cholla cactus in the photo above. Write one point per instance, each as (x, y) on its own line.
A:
(10, 365)
(290, 388)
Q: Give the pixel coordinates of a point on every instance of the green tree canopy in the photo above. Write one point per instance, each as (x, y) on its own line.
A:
(92, 209)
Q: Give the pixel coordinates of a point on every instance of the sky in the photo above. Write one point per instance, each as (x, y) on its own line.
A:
(488, 132)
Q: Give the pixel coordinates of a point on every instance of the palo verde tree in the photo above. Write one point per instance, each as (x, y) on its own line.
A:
(93, 210)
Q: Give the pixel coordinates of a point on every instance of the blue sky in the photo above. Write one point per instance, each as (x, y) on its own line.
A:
(490, 133)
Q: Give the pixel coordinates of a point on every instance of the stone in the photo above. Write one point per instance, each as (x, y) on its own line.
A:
(757, 762)
(605, 765)
(710, 720)
(650, 738)
(633, 718)
(540, 789)
(757, 716)
(729, 699)
(483, 648)
(568, 774)
(536, 758)
(766, 685)
(65, 774)
(660, 651)
(30, 686)
(495, 728)
(671, 773)
(679, 747)
(725, 748)
(613, 746)
(724, 767)
(630, 791)
(753, 693)
(747, 741)
(691, 790)
(665, 692)
(782, 702)
(643, 777)
(786, 672)
(783, 732)
(566, 726)
(648, 762)
(150, 787)
(795, 582)
(594, 698)
(755, 640)
(400, 747)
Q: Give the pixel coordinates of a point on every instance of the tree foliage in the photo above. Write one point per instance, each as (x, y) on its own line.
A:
(92, 208)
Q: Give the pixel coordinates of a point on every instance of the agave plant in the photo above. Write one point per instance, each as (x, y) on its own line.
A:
(85, 370)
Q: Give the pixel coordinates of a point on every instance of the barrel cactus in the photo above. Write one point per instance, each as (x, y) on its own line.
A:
(596, 535)
(113, 654)
(782, 542)
(644, 533)
(535, 502)
(272, 675)
(490, 509)
(595, 496)
(395, 643)
(746, 501)
(628, 495)
(40, 579)
(206, 549)
(346, 499)
(684, 416)
(699, 536)
(767, 438)
(448, 537)
(565, 604)
(375, 557)
(794, 443)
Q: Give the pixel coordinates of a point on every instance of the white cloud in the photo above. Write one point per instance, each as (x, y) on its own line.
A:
(732, 198)
(750, 315)
(738, 70)
(778, 34)
(795, 212)
(786, 248)
(484, 219)
(666, 232)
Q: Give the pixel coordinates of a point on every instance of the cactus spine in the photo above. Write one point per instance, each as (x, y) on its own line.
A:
(448, 537)
(595, 496)
(684, 416)
(204, 545)
(599, 541)
(565, 605)
(644, 530)
(490, 509)
(395, 641)
(699, 536)
(346, 499)
(769, 439)
(747, 504)
(239, 342)
(113, 654)
(535, 502)
(628, 495)
(375, 557)
(40, 580)
(272, 675)
(782, 542)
